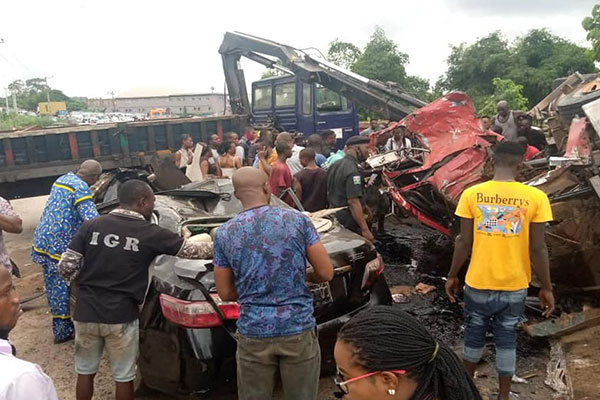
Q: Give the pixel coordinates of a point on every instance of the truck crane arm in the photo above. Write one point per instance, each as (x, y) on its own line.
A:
(384, 99)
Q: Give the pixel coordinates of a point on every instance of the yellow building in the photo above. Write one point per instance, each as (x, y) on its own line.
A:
(52, 107)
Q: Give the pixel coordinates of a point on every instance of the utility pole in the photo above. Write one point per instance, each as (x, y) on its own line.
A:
(14, 96)
(112, 93)
(6, 98)
(48, 88)
(5, 89)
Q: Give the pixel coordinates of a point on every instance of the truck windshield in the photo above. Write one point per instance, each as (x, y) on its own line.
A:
(263, 99)
(328, 100)
(285, 94)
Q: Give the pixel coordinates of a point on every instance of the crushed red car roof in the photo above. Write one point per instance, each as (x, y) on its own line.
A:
(456, 156)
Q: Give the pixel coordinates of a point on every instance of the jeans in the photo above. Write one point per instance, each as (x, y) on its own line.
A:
(504, 309)
(296, 357)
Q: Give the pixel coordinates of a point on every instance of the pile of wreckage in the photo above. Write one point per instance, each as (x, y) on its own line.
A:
(454, 153)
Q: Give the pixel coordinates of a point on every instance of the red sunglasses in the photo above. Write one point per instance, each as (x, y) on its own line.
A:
(343, 385)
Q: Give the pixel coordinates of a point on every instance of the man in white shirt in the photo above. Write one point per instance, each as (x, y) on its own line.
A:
(214, 142)
(399, 140)
(19, 379)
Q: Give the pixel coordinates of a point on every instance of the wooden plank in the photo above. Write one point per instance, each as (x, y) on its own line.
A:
(566, 87)
(595, 182)
(73, 146)
(566, 324)
(95, 144)
(8, 153)
(151, 138)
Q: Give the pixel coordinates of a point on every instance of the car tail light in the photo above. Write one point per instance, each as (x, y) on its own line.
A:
(373, 269)
(197, 314)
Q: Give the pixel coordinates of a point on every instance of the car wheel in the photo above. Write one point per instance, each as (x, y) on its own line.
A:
(571, 105)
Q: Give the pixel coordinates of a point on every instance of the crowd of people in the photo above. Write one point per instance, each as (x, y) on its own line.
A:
(309, 170)
(263, 259)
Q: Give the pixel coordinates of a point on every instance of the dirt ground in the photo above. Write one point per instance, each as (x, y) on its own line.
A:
(34, 342)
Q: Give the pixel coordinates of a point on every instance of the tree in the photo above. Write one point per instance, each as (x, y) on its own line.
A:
(540, 57)
(381, 59)
(471, 69)
(343, 54)
(532, 61)
(16, 87)
(271, 73)
(34, 91)
(592, 25)
(75, 104)
(504, 89)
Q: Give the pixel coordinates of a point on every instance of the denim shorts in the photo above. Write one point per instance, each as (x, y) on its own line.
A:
(503, 310)
(121, 342)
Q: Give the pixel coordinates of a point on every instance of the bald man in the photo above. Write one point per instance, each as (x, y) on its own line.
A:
(507, 119)
(69, 204)
(260, 261)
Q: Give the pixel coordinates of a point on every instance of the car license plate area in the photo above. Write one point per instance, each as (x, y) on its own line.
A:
(321, 293)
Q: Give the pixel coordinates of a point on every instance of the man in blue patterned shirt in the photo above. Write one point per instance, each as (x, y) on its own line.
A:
(260, 261)
(69, 204)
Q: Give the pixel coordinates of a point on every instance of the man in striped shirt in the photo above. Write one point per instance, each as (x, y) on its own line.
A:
(69, 204)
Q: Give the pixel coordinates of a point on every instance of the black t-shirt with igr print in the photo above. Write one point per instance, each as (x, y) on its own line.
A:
(117, 251)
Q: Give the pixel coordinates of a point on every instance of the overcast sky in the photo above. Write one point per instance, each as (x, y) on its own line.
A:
(92, 47)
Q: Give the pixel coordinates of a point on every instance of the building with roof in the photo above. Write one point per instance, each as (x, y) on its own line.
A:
(202, 104)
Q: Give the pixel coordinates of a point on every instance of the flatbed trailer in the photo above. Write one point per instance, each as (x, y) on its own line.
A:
(30, 160)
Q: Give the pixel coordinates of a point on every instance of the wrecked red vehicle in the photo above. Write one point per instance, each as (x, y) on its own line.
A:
(453, 154)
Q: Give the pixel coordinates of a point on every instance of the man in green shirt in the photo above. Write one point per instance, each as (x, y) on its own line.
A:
(345, 187)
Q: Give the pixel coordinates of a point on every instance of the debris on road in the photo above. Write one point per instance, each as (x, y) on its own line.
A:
(556, 377)
(567, 323)
(423, 288)
(400, 298)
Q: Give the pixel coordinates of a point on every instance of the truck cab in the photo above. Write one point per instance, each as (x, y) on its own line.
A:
(296, 106)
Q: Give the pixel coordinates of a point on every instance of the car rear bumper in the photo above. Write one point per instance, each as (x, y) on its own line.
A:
(199, 360)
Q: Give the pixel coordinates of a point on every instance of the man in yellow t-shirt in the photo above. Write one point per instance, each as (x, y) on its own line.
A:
(502, 227)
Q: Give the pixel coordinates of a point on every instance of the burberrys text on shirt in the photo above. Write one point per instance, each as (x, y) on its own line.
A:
(505, 201)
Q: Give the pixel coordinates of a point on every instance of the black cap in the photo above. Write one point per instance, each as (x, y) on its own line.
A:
(355, 140)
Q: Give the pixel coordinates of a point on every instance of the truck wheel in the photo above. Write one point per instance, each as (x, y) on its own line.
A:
(571, 105)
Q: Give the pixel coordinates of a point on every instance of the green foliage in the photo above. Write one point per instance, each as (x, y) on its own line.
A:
(34, 91)
(77, 104)
(592, 25)
(343, 54)
(540, 57)
(532, 61)
(504, 89)
(272, 73)
(472, 68)
(14, 121)
(381, 59)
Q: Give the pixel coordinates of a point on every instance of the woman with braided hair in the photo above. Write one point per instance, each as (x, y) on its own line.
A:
(384, 353)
